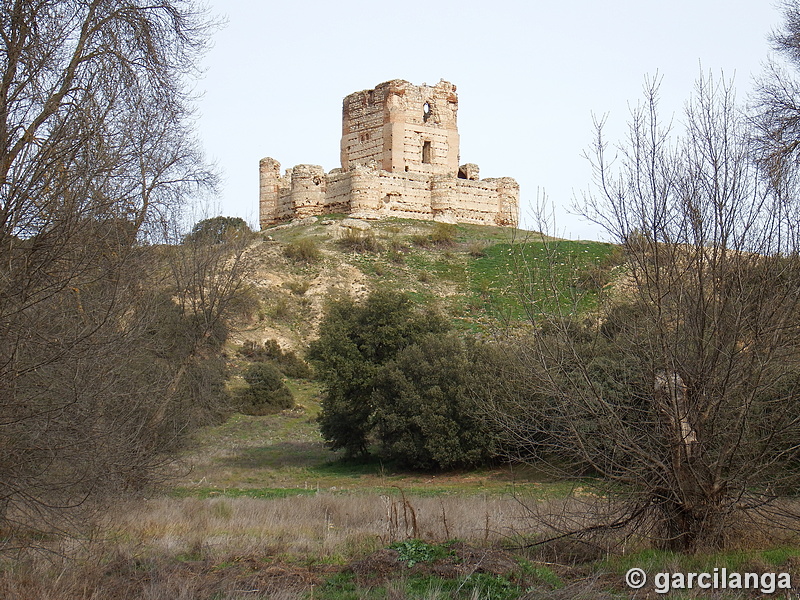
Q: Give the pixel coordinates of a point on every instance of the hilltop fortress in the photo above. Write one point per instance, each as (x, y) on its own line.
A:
(400, 158)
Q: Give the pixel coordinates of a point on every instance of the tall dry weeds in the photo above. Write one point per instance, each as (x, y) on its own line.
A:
(232, 548)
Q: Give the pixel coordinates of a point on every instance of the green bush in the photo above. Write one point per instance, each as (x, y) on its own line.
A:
(266, 393)
(415, 551)
(355, 341)
(426, 415)
(394, 375)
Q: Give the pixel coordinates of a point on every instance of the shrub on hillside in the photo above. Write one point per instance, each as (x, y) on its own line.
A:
(359, 241)
(266, 392)
(297, 286)
(394, 375)
(397, 252)
(477, 249)
(286, 361)
(595, 276)
(218, 230)
(305, 250)
(425, 411)
(441, 235)
(355, 341)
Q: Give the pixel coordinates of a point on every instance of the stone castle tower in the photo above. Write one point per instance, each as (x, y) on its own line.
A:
(400, 157)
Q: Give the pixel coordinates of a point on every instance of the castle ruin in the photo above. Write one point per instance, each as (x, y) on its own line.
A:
(400, 158)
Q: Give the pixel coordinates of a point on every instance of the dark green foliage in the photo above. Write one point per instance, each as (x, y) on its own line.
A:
(218, 230)
(355, 341)
(425, 411)
(266, 393)
(415, 551)
(486, 586)
(393, 374)
(286, 361)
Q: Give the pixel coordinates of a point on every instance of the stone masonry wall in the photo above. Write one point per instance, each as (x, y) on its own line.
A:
(390, 125)
(400, 157)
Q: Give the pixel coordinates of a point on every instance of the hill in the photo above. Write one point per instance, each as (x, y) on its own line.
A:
(470, 272)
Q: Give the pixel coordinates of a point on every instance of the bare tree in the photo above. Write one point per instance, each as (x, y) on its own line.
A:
(208, 277)
(776, 112)
(96, 155)
(682, 396)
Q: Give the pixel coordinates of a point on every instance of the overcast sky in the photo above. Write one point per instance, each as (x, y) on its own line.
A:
(530, 76)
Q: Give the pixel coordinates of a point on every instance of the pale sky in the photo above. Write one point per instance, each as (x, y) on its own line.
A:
(530, 76)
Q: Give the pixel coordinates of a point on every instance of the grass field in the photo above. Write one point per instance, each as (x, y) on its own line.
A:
(283, 454)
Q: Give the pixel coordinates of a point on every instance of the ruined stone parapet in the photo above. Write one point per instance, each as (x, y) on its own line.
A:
(507, 202)
(469, 171)
(443, 194)
(365, 193)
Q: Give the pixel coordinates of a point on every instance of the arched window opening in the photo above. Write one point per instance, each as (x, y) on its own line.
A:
(426, 112)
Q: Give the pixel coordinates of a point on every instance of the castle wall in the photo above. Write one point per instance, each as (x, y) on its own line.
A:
(405, 195)
(309, 187)
(426, 114)
(400, 157)
(369, 193)
(363, 126)
(508, 201)
(338, 195)
(414, 139)
(275, 202)
(485, 201)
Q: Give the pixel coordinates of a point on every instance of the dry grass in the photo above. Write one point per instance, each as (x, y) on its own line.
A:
(230, 548)
(327, 527)
(234, 548)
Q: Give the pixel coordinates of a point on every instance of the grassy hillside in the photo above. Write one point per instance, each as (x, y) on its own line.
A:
(482, 278)
(472, 273)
